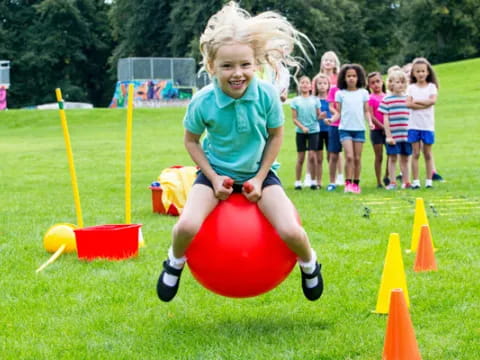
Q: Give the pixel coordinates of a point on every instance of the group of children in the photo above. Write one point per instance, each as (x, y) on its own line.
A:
(400, 117)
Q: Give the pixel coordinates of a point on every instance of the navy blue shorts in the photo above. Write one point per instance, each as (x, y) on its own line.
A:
(402, 148)
(271, 179)
(425, 136)
(334, 144)
(302, 139)
(377, 136)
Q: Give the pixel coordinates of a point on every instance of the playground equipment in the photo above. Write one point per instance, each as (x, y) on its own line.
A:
(117, 241)
(237, 252)
(156, 80)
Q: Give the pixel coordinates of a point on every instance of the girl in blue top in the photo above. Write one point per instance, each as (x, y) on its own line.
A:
(243, 121)
(322, 84)
(352, 100)
(305, 114)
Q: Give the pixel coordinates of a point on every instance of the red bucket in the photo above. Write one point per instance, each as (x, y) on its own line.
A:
(113, 242)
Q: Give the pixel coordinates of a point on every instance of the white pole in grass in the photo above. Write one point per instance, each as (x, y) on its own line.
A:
(73, 176)
(128, 158)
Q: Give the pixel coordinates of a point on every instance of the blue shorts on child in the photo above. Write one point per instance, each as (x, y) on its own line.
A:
(400, 148)
(425, 136)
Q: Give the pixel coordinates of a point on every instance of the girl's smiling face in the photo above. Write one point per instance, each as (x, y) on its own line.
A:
(234, 68)
(328, 64)
(305, 86)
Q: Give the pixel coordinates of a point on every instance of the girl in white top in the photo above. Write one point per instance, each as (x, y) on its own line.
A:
(352, 101)
(421, 98)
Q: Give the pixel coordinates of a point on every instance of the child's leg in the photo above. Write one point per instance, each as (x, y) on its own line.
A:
(312, 162)
(427, 154)
(415, 157)
(319, 167)
(200, 202)
(378, 150)
(392, 164)
(349, 159)
(404, 169)
(332, 166)
(357, 159)
(279, 210)
(299, 165)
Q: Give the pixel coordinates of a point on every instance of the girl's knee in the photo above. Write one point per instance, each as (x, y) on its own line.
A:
(186, 228)
(291, 234)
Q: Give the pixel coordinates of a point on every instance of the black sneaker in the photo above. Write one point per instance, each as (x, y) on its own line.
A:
(399, 177)
(315, 292)
(437, 177)
(386, 181)
(314, 187)
(298, 187)
(165, 292)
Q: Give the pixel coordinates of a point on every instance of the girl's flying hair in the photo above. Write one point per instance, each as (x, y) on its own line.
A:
(361, 82)
(431, 78)
(270, 35)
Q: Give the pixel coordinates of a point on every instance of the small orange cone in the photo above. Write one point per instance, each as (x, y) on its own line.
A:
(400, 341)
(425, 260)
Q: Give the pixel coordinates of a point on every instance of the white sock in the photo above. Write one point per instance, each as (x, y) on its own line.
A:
(308, 268)
(298, 183)
(416, 182)
(177, 263)
(314, 182)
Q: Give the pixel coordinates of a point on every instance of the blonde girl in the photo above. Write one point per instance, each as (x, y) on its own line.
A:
(323, 87)
(242, 119)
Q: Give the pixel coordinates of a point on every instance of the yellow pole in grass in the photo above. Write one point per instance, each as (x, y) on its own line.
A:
(128, 157)
(73, 176)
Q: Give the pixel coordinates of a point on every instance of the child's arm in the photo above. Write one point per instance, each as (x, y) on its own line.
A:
(432, 99)
(421, 104)
(192, 144)
(336, 111)
(374, 119)
(366, 110)
(297, 122)
(388, 134)
(270, 153)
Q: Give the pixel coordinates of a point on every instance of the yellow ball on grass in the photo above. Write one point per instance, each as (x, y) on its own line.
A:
(58, 235)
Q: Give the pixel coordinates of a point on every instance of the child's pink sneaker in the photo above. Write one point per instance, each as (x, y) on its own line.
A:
(356, 189)
(347, 188)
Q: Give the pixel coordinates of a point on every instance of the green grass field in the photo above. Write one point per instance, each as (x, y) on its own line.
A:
(109, 310)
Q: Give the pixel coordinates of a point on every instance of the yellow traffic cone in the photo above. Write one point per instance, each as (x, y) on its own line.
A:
(393, 275)
(419, 220)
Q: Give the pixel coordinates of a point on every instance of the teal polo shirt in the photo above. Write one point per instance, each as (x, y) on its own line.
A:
(236, 130)
(306, 108)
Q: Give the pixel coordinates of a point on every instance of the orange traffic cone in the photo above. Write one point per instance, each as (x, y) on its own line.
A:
(400, 341)
(425, 260)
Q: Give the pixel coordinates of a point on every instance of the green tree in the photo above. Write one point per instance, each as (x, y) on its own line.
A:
(442, 30)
